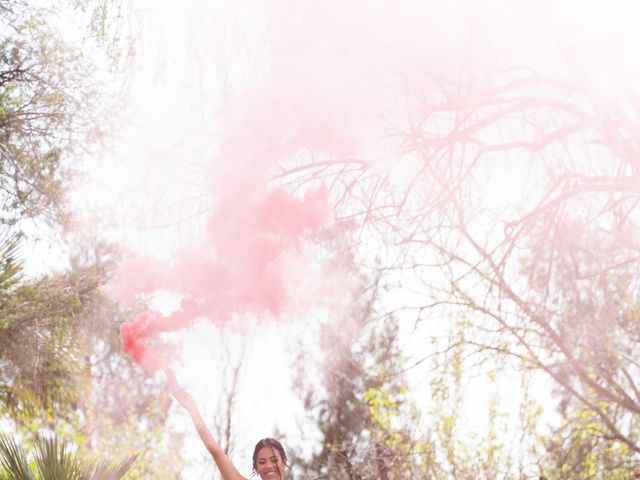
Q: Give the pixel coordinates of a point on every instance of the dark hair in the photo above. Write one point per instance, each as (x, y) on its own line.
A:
(271, 443)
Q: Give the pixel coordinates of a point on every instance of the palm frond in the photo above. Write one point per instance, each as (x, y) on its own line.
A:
(55, 461)
(104, 470)
(13, 460)
(10, 266)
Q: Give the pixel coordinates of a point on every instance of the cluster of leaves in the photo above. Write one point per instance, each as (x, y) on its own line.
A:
(63, 372)
(45, 114)
(55, 460)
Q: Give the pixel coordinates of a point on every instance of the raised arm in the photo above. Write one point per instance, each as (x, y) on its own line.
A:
(224, 463)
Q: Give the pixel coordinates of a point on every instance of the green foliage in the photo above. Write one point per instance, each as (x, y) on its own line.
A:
(401, 451)
(52, 104)
(61, 369)
(369, 425)
(41, 336)
(80, 386)
(579, 448)
(43, 102)
(54, 460)
(13, 460)
(109, 23)
(10, 269)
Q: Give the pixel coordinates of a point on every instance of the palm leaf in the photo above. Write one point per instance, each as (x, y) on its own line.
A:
(54, 461)
(13, 460)
(10, 266)
(104, 470)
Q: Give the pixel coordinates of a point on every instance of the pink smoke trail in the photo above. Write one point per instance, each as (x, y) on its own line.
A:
(238, 270)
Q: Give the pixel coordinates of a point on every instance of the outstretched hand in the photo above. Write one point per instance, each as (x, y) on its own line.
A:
(180, 394)
(226, 467)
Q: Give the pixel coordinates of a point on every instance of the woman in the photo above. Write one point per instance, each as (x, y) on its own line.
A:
(269, 459)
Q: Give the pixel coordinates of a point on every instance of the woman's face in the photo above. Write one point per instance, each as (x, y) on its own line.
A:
(269, 464)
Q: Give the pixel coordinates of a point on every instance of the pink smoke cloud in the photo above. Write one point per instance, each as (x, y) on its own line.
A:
(336, 74)
(318, 95)
(238, 270)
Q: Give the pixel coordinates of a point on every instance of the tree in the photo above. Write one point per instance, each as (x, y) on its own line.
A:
(61, 369)
(45, 110)
(545, 279)
(365, 417)
(357, 398)
(78, 384)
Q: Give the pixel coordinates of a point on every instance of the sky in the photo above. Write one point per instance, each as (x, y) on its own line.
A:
(223, 93)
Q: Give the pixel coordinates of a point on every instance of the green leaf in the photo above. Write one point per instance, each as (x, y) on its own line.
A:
(13, 460)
